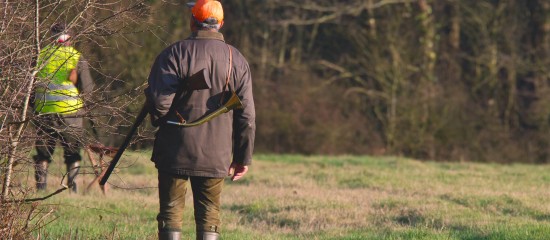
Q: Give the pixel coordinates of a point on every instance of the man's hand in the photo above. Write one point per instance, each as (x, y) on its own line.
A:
(237, 170)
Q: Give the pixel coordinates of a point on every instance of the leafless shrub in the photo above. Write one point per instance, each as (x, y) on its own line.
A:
(24, 31)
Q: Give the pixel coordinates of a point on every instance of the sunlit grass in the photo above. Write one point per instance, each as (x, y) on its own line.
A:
(324, 197)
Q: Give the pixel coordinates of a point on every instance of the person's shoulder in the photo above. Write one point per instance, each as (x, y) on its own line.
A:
(74, 50)
(175, 47)
(172, 46)
(237, 55)
(68, 51)
(234, 49)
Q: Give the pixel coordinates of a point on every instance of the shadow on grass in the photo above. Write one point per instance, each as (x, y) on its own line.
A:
(393, 212)
(500, 205)
(264, 213)
(527, 231)
(542, 217)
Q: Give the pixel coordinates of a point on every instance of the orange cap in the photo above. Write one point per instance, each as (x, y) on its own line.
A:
(205, 9)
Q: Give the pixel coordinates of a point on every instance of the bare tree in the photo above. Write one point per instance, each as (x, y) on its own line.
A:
(24, 31)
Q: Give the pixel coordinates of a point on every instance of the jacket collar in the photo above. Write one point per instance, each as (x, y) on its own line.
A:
(201, 34)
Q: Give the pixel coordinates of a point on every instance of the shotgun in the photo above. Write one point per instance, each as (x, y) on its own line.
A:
(197, 81)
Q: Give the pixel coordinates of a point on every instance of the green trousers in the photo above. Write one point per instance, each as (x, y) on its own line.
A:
(206, 202)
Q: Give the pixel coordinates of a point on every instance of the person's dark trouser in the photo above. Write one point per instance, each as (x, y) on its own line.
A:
(206, 201)
(53, 127)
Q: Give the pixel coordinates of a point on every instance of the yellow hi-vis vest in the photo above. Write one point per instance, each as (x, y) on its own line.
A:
(55, 93)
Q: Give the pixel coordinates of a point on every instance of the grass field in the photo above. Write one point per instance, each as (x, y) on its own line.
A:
(322, 197)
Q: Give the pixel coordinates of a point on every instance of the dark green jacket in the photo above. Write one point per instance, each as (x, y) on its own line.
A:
(205, 150)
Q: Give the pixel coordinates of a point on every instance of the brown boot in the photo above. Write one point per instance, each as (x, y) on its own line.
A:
(169, 235)
(208, 236)
(72, 172)
(41, 174)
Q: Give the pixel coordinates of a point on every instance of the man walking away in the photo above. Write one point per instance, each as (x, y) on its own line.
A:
(63, 75)
(205, 154)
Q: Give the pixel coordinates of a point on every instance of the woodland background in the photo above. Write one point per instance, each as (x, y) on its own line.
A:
(443, 80)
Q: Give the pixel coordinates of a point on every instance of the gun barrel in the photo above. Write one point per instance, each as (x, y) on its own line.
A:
(197, 81)
(141, 116)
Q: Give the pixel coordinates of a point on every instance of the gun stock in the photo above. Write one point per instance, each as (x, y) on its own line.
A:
(233, 103)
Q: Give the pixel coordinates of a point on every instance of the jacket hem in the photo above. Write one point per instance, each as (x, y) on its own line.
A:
(192, 173)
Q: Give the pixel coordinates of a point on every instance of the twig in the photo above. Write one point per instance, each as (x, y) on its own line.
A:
(27, 200)
(29, 217)
(43, 217)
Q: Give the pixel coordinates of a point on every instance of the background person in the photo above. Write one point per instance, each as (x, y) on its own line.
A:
(62, 77)
(201, 155)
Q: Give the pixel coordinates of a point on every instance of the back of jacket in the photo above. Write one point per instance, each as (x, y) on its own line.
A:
(208, 149)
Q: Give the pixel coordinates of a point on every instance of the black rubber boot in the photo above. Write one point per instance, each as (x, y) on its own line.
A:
(169, 235)
(41, 174)
(72, 170)
(208, 236)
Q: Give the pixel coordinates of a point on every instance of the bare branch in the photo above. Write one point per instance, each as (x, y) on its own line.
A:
(329, 14)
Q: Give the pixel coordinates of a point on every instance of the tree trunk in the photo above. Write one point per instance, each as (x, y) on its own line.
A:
(372, 20)
(428, 85)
